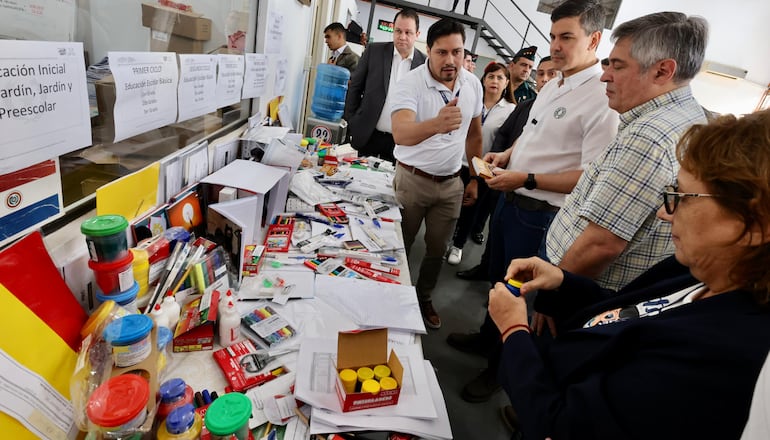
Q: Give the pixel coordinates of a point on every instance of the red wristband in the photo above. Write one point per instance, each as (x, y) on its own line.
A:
(514, 327)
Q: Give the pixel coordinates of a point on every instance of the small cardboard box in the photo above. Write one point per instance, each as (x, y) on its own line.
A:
(174, 21)
(366, 348)
(252, 259)
(165, 42)
(195, 331)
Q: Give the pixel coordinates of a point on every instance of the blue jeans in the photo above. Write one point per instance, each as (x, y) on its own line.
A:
(514, 233)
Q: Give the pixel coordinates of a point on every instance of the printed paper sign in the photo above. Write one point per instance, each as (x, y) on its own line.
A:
(43, 102)
(197, 85)
(230, 80)
(145, 89)
(256, 76)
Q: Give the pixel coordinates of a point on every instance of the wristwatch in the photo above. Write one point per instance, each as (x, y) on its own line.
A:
(530, 183)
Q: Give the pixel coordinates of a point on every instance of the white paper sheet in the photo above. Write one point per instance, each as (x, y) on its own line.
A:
(275, 28)
(145, 89)
(197, 85)
(302, 284)
(370, 182)
(229, 79)
(28, 398)
(43, 102)
(316, 376)
(324, 421)
(281, 76)
(371, 303)
(255, 78)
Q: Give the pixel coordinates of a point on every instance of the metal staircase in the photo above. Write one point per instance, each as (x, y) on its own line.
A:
(499, 25)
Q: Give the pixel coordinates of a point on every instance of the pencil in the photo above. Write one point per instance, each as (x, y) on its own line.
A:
(301, 416)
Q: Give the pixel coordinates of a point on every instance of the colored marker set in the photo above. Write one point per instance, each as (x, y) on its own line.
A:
(266, 327)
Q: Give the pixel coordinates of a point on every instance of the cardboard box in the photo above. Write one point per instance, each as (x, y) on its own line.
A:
(195, 331)
(174, 21)
(165, 42)
(366, 348)
(252, 259)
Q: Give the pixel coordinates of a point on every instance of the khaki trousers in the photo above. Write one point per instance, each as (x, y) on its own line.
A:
(436, 203)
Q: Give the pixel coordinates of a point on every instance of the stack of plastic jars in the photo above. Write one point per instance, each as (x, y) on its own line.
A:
(110, 260)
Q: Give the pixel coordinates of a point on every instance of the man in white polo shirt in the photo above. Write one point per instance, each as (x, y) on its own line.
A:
(569, 125)
(436, 116)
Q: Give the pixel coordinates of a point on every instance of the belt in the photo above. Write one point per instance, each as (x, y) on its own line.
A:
(529, 203)
(422, 173)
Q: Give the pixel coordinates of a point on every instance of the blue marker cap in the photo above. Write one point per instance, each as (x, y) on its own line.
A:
(514, 286)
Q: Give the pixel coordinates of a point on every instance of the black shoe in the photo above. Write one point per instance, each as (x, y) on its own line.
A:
(468, 343)
(478, 237)
(511, 420)
(482, 388)
(476, 273)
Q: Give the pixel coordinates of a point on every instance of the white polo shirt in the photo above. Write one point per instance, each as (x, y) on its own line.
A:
(418, 91)
(398, 69)
(568, 127)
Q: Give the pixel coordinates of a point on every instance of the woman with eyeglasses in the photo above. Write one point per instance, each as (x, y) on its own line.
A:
(676, 353)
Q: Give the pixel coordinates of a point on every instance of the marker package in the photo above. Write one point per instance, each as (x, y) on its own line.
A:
(266, 327)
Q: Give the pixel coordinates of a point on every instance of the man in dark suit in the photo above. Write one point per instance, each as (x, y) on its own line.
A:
(341, 54)
(367, 109)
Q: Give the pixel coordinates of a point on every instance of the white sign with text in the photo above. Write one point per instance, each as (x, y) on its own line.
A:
(230, 80)
(145, 91)
(43, 102)
(197, 85)
(255, 79)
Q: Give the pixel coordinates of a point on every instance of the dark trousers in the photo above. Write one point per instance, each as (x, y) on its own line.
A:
(472, 218)
(467, 2)
(380, 145)
(515, 232)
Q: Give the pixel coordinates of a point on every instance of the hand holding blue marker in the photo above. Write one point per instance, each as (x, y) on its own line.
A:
(514, 286)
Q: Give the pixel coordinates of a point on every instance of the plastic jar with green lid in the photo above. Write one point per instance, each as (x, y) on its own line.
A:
(227, 416)
(106, 237)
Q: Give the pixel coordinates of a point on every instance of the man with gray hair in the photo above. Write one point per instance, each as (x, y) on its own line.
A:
(607, 229)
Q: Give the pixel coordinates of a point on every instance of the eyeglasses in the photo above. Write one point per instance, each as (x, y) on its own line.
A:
(671, 198)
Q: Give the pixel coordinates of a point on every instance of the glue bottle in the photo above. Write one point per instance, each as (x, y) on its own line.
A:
(159, 317)
(229, 325)
(226, 298)
(172, 310)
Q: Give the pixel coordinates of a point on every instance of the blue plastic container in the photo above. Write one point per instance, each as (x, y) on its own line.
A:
(126, 299)
(331, 87)
(130, 339)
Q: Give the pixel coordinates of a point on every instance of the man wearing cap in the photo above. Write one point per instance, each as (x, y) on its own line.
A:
(569, 125)
(520, 68)
(367, 105)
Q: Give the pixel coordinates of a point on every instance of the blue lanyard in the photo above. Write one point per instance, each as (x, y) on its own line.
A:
(443, 94)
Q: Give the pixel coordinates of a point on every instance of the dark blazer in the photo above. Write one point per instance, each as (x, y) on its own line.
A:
(348, 59)
(512, 127)
(688, 372)
(368, 89)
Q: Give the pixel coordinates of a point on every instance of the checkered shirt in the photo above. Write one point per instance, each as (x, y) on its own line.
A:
(621, 190)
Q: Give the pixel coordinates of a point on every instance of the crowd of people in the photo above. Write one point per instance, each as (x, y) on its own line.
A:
(638, 226)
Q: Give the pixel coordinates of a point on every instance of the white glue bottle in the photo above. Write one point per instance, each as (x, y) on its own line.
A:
(226, 298)
(172, 311)
(159, 317)
(229, 325)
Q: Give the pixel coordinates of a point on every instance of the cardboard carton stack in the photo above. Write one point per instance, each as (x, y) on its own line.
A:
(172, 30)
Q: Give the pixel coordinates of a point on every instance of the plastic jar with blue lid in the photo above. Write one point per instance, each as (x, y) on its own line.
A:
(183, 423)
(173, 394)
(126, 299)
(228, 416)
(130, 339)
